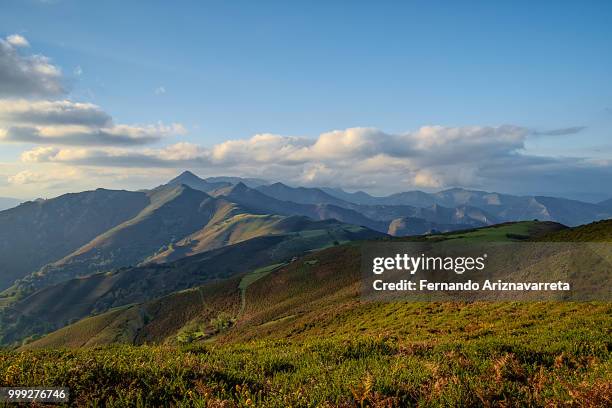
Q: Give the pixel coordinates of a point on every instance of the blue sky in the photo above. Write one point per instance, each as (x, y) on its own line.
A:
(230, 70)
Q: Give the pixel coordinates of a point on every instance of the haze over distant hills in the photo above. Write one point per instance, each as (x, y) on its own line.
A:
(607, 204)
(6, 203)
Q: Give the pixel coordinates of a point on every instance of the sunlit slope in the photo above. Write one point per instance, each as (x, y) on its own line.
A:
(238, 228)
(513, 231)
(290, 304)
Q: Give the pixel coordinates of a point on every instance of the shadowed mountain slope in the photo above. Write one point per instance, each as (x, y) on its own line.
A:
(463, 215)
(38, 232)
(249, 182)
(418, 226)
(572, 212)
(257, 202)
(607, 204)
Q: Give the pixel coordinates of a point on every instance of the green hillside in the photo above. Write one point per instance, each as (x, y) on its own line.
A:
(305, 338)
(233, 229)
(58, 305)
(600, 231)
(151, 321)
(328, 277)
(507, 231)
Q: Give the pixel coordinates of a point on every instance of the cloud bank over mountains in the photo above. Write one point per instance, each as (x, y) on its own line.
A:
(62, 140)
(431, 157)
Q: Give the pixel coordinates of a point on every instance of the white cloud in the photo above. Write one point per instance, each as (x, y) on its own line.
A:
(432, 157)
(78, 71)
(59, 112)
(32, 177)
(354, 148)
(26, 177)
(57, 122)
(120, 135)
(64, 122)
(17, 40)
(39, 155)
(26, 75)
(160, 90)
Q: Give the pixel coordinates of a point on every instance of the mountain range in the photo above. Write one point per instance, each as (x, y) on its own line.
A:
(47, 241)
(83, 253)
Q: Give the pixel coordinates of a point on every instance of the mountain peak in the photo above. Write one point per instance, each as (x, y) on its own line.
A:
(279, 184)
(239, 187)
(185, 176)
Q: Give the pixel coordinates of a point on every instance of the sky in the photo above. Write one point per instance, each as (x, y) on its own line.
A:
(381, 96)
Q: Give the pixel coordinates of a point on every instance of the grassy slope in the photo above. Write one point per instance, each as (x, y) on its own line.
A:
(231, 229)
(305, 338)
(151, 321)
(501, 232)
(301, 290)
(595, 232)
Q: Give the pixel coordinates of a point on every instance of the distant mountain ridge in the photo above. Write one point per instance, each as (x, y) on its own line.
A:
(498, 207)
(504, 207)
(187, 178)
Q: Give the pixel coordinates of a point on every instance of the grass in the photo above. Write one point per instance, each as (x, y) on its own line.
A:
(257, 274)
(320, 345)
(600, 231)
(496, 233)
(565, 361)
(253, 277)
